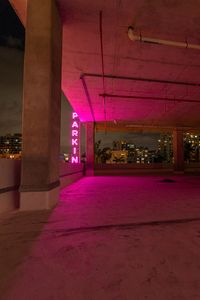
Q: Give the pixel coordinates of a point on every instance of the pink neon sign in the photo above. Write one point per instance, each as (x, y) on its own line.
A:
(75, 138)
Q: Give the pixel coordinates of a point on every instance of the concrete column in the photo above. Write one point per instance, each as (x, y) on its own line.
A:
(41, 106)
(178, 150)
(90, 140)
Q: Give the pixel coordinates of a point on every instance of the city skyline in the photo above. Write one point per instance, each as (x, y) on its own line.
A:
(141, 139)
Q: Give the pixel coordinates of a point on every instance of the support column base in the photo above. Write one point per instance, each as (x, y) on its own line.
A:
(39, 200)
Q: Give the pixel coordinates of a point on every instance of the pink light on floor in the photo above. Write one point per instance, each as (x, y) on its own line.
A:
(75, 138)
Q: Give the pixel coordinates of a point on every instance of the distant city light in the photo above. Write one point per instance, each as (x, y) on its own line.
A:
(11, 146)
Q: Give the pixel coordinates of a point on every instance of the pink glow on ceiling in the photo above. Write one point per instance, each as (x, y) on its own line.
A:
(125, 58)
(81, 53)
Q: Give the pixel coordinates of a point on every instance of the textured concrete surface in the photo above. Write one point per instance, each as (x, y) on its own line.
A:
(41, 105)
(90, 155)
(9, 183)
(109, 238)
(178, 150)
(155, 19)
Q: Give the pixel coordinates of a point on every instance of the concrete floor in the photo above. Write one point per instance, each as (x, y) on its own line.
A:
(110, 238)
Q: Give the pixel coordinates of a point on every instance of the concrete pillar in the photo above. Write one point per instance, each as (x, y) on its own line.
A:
(90, 140)
(178, 150)
(41, 106)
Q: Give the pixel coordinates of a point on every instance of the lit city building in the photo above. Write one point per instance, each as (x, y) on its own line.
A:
(11, 146)
(142, 155)
(165, 152)
(191, 147)
(123, 152)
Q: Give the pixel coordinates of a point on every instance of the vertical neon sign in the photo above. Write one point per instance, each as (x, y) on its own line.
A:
(75, 138)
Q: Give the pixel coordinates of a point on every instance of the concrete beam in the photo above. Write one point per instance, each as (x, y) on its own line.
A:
(178, 150)
(41, 106)
(90, 140)
(20, 7)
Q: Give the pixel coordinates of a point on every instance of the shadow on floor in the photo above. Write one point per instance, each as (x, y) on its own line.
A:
(16, 244)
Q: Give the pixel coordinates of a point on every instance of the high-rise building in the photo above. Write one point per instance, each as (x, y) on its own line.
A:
(191, 147)
(165, 147)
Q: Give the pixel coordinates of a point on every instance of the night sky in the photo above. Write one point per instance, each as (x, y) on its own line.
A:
(12, 33)
(12, 37)
(11, 69)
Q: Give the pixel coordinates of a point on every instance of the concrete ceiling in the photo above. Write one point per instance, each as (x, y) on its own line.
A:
(175, 20)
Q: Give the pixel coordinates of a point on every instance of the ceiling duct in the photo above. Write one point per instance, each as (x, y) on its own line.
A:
(140, 38)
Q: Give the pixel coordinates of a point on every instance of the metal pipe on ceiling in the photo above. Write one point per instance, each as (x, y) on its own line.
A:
(149, 98)
(133, 37)
(153, 80)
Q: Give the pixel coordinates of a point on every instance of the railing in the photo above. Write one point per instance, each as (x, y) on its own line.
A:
(192, 167)
(70, 172)
(130, 169)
